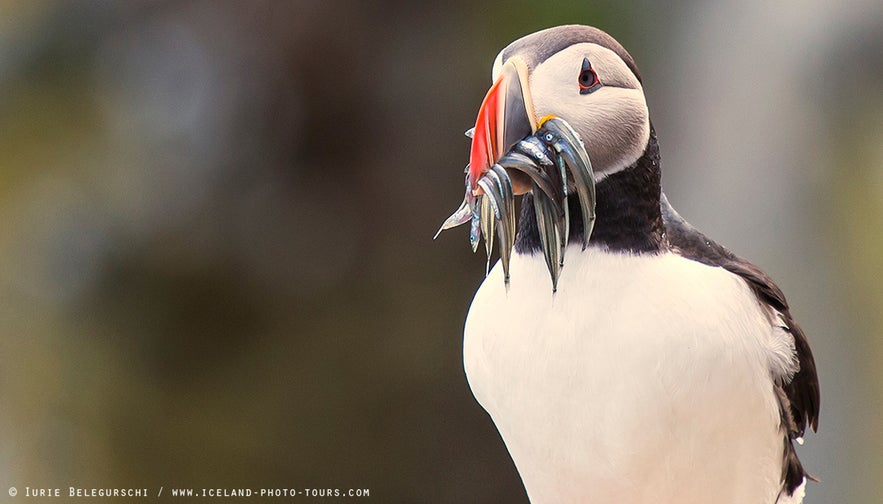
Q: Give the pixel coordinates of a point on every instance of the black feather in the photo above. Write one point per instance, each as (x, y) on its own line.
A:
(627, 210)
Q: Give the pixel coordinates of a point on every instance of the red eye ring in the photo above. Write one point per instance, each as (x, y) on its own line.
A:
(588, 79)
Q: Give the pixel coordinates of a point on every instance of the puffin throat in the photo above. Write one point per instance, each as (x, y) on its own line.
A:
(628, 214)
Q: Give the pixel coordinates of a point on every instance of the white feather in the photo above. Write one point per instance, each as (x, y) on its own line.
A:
(644, 379)
(613, 121)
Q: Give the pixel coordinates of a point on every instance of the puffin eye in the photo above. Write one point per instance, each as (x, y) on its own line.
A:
(588, 79)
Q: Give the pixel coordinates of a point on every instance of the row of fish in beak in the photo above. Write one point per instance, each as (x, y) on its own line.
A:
(555, 159)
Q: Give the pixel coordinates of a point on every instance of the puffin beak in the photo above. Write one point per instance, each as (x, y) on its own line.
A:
(511, 154)
(506, 116)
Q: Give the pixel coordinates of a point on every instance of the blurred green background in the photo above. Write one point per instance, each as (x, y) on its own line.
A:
(216, 220)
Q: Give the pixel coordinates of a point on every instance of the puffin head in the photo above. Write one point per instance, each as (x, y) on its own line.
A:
(566, 109)
(576, 73)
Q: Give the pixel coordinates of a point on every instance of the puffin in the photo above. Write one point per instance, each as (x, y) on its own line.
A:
(623, 356)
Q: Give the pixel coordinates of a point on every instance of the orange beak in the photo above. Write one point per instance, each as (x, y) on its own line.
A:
(506, 116)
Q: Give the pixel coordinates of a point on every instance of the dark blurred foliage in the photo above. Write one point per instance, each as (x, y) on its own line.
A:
(217, 258)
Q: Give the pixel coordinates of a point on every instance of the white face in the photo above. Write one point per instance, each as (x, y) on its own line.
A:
(612, 120)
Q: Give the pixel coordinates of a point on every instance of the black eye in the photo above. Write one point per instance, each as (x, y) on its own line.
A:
(588, 79)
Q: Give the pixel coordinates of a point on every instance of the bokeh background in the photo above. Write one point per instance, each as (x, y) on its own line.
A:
(216, 220)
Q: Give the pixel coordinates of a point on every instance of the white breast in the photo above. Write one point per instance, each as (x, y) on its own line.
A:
(644, 379)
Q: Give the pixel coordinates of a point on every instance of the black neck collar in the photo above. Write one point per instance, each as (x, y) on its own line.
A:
(627, 208)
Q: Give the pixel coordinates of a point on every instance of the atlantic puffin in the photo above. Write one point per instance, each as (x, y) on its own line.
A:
(640, 361)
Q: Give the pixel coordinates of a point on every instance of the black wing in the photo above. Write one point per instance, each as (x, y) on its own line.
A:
(799, 397)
